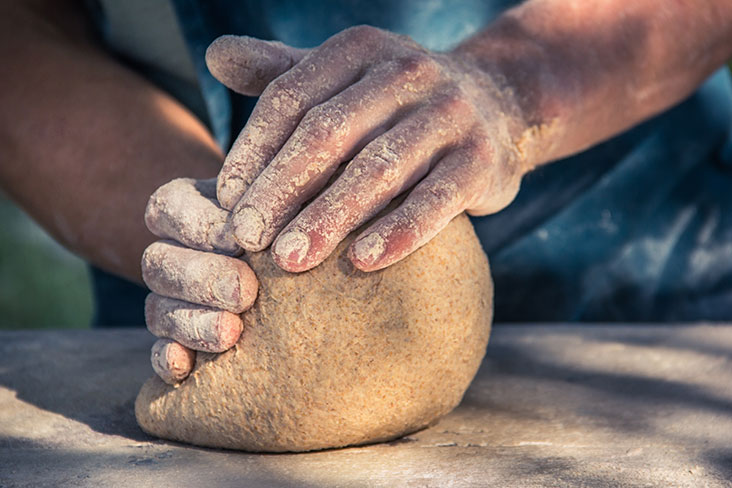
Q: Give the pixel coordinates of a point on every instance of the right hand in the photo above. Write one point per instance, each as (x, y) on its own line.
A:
(398, 119)
(198, 287)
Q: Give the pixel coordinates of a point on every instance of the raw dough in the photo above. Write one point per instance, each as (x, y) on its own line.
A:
(335, 357)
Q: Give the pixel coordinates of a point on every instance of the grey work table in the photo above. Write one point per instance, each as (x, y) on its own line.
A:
(551, 406)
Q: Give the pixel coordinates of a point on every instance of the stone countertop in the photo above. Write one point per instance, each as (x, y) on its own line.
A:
(552, 405)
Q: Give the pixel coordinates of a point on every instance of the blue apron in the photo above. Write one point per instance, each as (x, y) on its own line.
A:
(638, 228)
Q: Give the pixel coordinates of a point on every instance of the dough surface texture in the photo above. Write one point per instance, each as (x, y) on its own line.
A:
(335, 356)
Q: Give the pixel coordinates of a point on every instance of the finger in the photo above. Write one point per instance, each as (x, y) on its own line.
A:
(247, 65)
(199, 277)
(282, 105)
(186, 210)
(328, 135)
(433, 203)
(194, 326)
(385, 168)
(171, 361)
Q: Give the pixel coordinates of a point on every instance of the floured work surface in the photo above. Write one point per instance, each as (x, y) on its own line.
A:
(551, 406)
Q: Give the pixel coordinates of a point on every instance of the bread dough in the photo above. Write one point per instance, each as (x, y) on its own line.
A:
(335, 356)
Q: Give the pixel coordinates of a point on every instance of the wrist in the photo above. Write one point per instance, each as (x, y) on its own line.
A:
(536, 95)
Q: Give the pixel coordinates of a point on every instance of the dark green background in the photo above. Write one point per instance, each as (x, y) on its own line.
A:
(42, 285)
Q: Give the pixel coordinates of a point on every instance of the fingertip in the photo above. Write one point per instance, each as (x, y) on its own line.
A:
(219, 52)
(221, 42)
(233, 62)
(172, 361)
(247, 64)
(290, 251)
(248, 227)
(249, 287)
(367, 252)
(228, 329)
(227, 192)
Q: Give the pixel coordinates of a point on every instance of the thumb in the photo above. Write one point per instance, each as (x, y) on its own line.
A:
(247, 65)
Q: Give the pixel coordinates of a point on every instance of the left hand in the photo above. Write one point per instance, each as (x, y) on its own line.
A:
(401, 117)
(199, 289)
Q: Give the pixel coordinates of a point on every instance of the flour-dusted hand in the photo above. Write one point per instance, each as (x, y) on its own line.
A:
(400, 116)
(199, 287)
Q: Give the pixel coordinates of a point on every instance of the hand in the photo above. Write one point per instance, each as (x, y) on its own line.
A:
(198, 288)
(401, 116)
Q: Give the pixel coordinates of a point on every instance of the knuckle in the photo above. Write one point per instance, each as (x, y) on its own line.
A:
(149, 255)
(478, 168)
(380, 162)
(152, 256)
(325, 124)
(363, 34)
(498, 173)
(152, 302)
(153, 211)
(153, 315)
(418, 65)
(148, 266)
(456, 104)
(480, 147)
(284, 96)
(158, 257)
(157, 201)
(442, 193)
(163, 190)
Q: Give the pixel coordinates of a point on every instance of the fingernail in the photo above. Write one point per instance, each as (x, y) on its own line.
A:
(228, 193)
(171, 361)
(248, 226)
(228, 330)
(221, 238)
(369, 249)
(227, 290)
(292, 246)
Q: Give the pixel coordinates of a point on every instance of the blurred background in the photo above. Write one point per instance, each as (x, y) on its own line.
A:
(42, 285)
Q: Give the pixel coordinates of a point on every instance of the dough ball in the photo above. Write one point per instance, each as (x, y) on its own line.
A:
(335, 357)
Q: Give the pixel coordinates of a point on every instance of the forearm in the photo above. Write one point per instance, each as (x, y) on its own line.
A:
(84, 140)
(583, 71)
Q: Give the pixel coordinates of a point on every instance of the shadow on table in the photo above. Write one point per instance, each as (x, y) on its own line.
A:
(93, 378)
(89, 378)
(653, 386)
(27, 463)
(720, 458)
(588, 376)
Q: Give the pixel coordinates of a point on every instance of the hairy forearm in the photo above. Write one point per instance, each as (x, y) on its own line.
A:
(84, 140)
(583, 71)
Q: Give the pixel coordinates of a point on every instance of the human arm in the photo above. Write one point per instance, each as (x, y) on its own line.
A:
(85, 140)
(585, 71)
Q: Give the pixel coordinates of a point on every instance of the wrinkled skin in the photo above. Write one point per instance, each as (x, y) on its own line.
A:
(400, 117)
